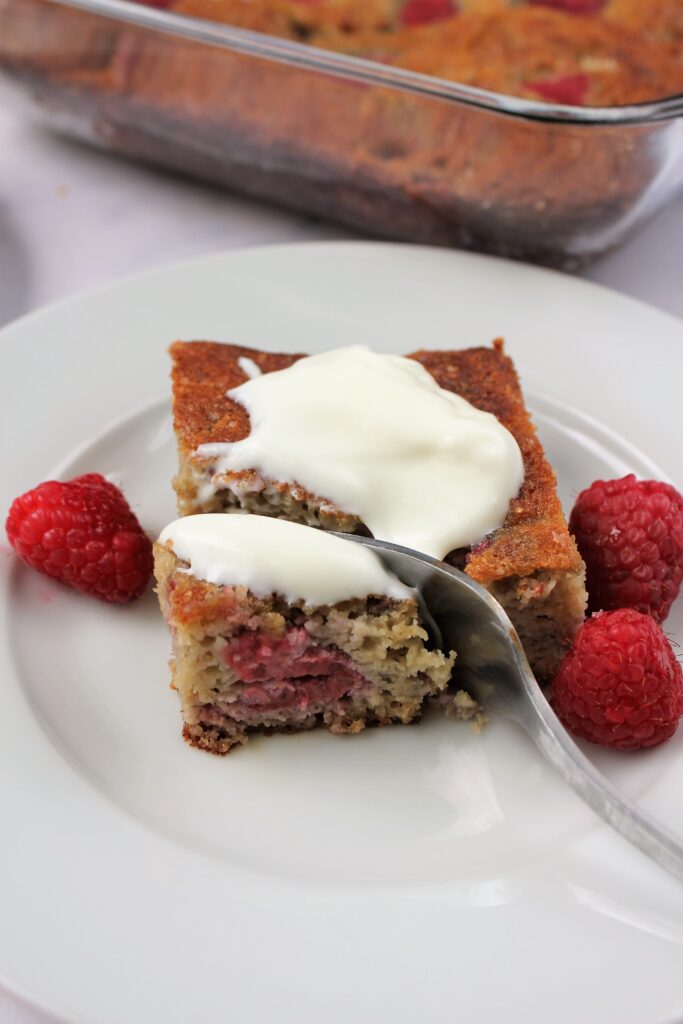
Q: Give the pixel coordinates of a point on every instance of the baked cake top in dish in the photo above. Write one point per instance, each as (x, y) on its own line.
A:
(577, 52)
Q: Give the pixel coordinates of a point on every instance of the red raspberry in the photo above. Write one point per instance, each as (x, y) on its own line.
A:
(568, 89)
(84, 533)
(630, 535)
(97, 480)
(620, 685)
(420, 12)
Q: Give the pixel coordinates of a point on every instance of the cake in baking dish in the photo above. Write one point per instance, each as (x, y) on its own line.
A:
(279, 627)
(525, 557)
(578, 52)
(388, 160)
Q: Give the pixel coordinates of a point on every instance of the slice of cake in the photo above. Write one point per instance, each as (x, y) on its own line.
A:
(279, 627)
(365, 447)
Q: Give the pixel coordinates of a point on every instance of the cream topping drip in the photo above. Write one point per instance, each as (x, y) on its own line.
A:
(249, 367)
(274, 556)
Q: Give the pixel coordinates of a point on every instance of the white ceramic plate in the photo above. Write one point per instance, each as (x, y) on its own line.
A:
(407, 875)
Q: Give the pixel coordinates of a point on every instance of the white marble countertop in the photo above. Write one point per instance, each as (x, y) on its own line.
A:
(71, 218)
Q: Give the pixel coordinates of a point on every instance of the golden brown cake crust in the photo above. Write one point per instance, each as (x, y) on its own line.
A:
(202, 373)
(534, 536)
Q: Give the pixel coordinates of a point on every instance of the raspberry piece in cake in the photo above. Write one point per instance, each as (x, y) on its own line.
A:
(568, 89)
(421, 12)
(276, 626)
(525, 555)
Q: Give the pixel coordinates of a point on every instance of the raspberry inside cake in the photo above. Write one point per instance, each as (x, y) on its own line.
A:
(529, 561)
(286, 628)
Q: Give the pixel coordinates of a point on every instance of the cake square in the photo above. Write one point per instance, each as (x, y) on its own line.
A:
(530, 564)
(249, 658)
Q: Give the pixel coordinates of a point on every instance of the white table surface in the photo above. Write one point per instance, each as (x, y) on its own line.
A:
(72, 218)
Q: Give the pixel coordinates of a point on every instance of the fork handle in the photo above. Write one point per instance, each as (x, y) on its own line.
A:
(552, 739)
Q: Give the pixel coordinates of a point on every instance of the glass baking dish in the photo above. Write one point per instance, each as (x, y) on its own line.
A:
(395, 153)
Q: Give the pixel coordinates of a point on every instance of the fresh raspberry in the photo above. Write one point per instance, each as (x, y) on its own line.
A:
(84, 533)
(630, 535)
(568, 89)
(621, 684)
(420, 12)
(97, 480)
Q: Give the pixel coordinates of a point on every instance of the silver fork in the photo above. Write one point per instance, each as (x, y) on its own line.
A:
(493, 668)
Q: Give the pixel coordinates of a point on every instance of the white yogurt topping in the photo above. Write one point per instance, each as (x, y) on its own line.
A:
(249, 367)
(274, 556)
(376, 436)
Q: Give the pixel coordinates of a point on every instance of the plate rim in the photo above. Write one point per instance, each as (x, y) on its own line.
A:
(256, 249)
(193, 265)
